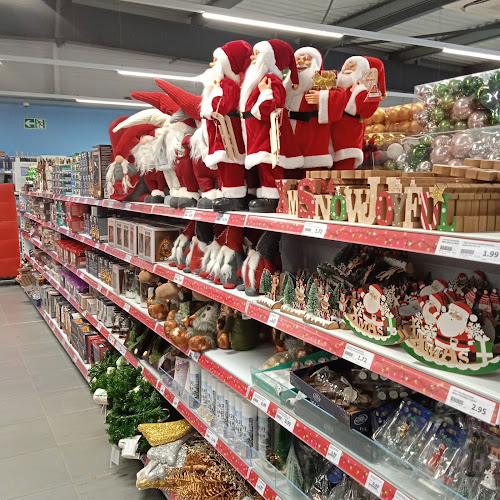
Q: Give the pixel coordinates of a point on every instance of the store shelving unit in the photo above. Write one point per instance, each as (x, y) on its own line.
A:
(385, 476)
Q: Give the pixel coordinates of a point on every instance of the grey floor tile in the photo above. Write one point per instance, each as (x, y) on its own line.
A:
(16, 388)
(67, 492)
(21, 410)
(67, 401)
(47, 382)
(25, 437)
(30, 333)
(116, 487)
(33, 472)
(46, 348)
(51, 363)
(16, 318)
(76, 456)
(12, 369)
(77, 426)
(9, 352)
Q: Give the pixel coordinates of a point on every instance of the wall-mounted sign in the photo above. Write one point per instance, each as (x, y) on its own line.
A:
(35, 123)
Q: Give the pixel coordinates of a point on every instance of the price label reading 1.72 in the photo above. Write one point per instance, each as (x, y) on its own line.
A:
(358, 356)
(314, 229)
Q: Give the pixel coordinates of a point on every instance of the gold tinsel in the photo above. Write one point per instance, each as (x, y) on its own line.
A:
(165, 432)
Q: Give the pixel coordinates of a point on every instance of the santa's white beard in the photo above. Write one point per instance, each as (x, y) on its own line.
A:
(371, 305)
(430, 289)
(346, 81)
(451, 327)
(145, 158)
(305, 85)
(253, 76)
(209, 76)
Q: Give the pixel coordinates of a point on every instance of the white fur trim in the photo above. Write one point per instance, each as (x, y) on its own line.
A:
(318, 161)
(362, 63)
(268, 192)
(178, 249)
(351, 104)
(208, 260)
(212, 159)
(228, 257)
(266, 51)
(265, 157)
(323, 106)
(343, 154)
(226, 65)
(265, 95)
(190, 254)
(234, 192)
(311, 51)
(198, 144)
(217, 263)
(250, 265)
(211, 195)
(157, 192)
(150, 115)
(184, 193)
(206, 105)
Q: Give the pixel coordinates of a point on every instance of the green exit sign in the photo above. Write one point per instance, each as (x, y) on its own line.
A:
(37, 123)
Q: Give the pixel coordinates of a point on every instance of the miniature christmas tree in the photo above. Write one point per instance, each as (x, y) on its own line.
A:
(265, 282)
(312, 299)
(464, 488)
(289, 292)
(310, 282)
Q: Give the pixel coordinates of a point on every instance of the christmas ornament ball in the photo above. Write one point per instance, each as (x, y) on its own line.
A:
(462, 108)
(447, 102)
(419, 152)
(390, 164)
(416, 108)
(461, 144)
(393, 114)
(408, 169)
(378, 128)
(460, 125)
(378, 116)
(441, 140)
(426, 141)
(415, 127)
(444, 125)
(488, 97)
(424, 166)
(456, 162)
(441, 154)
(437, 114)
(394, 151)
(477, 119)
(479, 150)
(455, 86)
(494, 81)
(405, 113)
(471, 84)
(401, 161)
(404, 127)
(440, 90)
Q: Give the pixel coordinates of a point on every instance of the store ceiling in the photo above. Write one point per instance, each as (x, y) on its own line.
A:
(72, 47)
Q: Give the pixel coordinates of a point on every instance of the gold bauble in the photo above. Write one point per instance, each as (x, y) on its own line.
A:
(378, 116)
(415, 127)
(393, 114)
(405, 113)
(378, 128)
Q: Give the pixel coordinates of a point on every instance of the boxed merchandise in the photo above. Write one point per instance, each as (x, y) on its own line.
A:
(76, 209)
(100, 159)
(132, 235)
(99, 349)
(155, 242)
(75, 224)
(89, 339)
(119, 234)
(118, 271)
(112, 231)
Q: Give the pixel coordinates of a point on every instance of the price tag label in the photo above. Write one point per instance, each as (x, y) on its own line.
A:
(126, 307)
(314, 229)
(285, 420)
(128, 206)
(74, 358)
(260, 486)
(179, 279)
(128, 257)
(222, 218)
(358, 356)
(211, 438)
(261, 402)
(112, 340)
(121, 348)
(273, 320)
(100, 327)
(481, 251)
(471, 404)
(99, 288)
(189, 214)
(400, 496)
(175, 403)
(333, 454)
(111, 204)
(374, 484)
(195, 356)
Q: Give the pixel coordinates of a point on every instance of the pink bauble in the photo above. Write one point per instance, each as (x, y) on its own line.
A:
(477, 119)
(441, 140)
(460, 144)
(441, 155)
(462, 108)
(456, 162)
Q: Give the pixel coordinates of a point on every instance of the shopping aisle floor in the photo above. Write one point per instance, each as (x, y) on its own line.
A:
(53, 445)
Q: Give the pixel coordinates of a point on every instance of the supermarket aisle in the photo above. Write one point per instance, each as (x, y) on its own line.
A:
(53, 442)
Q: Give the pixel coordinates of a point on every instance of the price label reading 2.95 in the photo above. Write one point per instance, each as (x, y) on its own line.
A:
(470, 403)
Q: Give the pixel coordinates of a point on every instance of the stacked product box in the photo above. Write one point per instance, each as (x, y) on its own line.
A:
(76, 180)
(101, 158)
(84, 158)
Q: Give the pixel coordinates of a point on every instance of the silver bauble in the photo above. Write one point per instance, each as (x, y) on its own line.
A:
(495, 155)
(424, 166)
(402, 161)
(478, 150)
(408, 168)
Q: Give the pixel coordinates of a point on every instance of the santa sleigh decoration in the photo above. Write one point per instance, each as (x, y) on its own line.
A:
(452, 339)
(375, 316)
(226, 131)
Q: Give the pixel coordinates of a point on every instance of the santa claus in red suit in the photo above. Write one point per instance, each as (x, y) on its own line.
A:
(347, 131)
(312, 137)
(435, 287)
(372, 303)
(261, 94)
(433, 307)
(221, 95)
(452, 328)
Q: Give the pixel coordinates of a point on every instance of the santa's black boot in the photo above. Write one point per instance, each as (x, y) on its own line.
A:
(186, 202)
(230, 204)
(263, 205)
(206, 203)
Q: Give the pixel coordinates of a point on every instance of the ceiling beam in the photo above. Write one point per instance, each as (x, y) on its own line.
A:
(472, 36)
(225, 4)
(390, 13)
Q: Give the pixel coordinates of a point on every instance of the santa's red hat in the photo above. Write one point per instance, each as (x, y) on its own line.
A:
(190, 103)
(115, 137)
(441, 298)
(379, 66)
(234, 57)
(280, 54)
(452, 296)
(159, 100)
(460, 307)
(233, 238)
(129, 139)
(443, 282)
(190, 229)
(376, 288)
(314, 53)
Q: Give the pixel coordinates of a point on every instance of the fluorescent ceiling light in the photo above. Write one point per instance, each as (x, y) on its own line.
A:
(274, 26)
(470, 53)
(114, 103)
(155, 75)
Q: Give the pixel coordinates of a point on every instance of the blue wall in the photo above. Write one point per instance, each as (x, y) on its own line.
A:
(70, 129)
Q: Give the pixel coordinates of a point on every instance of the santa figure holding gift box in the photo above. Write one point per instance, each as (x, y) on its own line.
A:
(347, 133)
(312, 137)
(268, 135)
(452, 328)
(372, 303)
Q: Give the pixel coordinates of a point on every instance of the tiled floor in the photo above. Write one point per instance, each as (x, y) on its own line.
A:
(53, 445)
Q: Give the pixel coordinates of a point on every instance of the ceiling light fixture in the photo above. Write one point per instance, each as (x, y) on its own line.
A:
(114, 103)
(155, 75)
(273, 26)
(472, 53)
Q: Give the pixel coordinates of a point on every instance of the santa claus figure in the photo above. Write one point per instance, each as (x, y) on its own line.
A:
(219, 108)
(312, 137)
(372, 303)
(435, 287)
(268, 135)
(452, 328)
(433, 307)
(347, 132)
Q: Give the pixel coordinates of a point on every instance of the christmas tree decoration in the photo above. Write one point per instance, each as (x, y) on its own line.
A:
(167, 432)
(271, 286)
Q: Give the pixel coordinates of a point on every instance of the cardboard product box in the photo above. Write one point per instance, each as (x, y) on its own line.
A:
(119, 234)
(155, 242)
(112, 231)
(125, 235)
(99, 228)
(118, 271)
(53, 296)
(99, 349)
(92, 306)
(356, 418)
(132, 242)
(100, 160)
(87, 356)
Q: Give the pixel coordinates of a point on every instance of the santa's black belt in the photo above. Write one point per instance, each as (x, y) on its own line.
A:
(303, 116)
(246, 114)
(234, 114)
(448, 340)
(351, 116)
